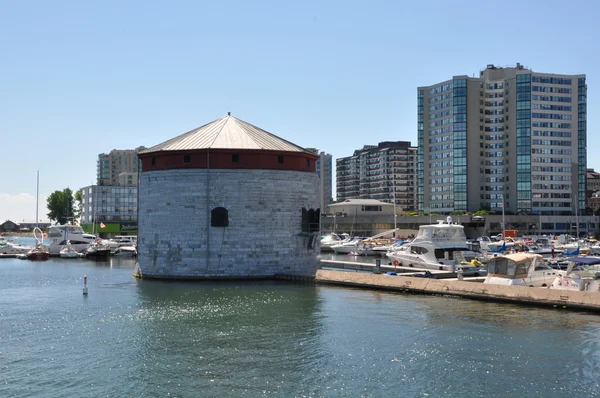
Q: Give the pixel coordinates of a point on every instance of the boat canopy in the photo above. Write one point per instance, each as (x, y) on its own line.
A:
(513, 266)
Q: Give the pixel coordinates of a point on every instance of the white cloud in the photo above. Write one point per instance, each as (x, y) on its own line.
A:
(21, 208)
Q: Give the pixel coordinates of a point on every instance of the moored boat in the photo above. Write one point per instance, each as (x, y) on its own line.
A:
(582, 274)
(441, 246)
(38, 253)
(520, 269)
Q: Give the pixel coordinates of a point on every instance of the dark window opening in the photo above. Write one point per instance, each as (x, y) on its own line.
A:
(310, 220)
(187, 159)
(235, 158)
(219, 217)
(308, 163)
(153, 161)
(280, 159)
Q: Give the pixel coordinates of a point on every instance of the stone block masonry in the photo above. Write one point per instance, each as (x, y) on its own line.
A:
(263, 239)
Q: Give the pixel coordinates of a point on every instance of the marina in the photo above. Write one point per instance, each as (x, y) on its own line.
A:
(131, 337)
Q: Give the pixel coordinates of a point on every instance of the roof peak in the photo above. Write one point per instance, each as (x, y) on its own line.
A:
(227, 132)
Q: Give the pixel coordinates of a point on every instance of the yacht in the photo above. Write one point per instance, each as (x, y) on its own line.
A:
(59, 235)
(441, 246)
(520, 269)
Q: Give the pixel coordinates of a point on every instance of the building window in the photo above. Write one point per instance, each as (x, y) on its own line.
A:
(280, 159)
(219, 217)
(153, 161)
(310, 220)
(187, 159)
(235, 158)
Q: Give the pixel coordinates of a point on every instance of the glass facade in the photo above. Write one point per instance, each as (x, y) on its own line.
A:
(523, 144)
(581, 142)
(459, 155)
(420, 146)
(109, 204)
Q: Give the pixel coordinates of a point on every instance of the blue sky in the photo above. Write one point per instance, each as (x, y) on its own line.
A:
(79, 78)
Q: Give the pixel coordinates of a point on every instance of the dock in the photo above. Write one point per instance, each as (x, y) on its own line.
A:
(576, 300)
(385, 268)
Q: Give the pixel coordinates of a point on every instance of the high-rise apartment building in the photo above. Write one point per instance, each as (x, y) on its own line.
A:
(111, 165)
(386, 172)
(510, 137)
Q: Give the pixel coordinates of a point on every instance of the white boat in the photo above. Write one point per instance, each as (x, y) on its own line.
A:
(520, 269)
(125, 251)
(507, 244)
(11, 248)
(120, 240)
(60, 234)
(347, 247)
(68, 251)
(332, 239)
(441, 246)
(582, 274)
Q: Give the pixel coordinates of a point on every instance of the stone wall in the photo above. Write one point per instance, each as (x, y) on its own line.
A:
(175, 239)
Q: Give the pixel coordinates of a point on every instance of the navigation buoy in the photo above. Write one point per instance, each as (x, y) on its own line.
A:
(85, 290)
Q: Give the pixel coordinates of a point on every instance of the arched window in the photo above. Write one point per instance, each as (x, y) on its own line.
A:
(219, 217)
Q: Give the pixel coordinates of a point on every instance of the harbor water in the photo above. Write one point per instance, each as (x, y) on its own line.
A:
(139, 338)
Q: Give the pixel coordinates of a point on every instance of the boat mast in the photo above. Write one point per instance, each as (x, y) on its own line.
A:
(577, 218)
(37, 198)
(503, 223)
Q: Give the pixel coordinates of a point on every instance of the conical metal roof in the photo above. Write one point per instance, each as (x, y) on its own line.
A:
(226, 133)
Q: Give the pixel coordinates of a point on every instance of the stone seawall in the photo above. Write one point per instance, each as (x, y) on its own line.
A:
(517, 294)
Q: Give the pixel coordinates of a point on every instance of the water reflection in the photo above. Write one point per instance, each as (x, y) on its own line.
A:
(204, 330)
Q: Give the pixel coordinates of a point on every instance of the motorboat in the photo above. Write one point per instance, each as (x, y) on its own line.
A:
(68, 251)
(505, 244)
(441, 246)
(582, 274)
(125, 251)
(347, 247)
(59, 235)
(120, 240)
(530, 246)
(11, 248)
(331, 239)
(520, 269)
(98, 250)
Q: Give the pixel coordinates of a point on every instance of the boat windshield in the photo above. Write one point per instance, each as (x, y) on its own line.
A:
(508, 268)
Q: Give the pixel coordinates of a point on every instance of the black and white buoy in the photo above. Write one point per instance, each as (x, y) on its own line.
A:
(85, 290)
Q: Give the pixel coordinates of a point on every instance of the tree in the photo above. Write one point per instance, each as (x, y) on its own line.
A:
(60, 206)
(79, 208)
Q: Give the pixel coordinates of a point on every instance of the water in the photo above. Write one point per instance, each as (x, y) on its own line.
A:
(222, 339)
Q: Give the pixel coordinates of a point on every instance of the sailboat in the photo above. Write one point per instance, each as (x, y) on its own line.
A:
(39, 252)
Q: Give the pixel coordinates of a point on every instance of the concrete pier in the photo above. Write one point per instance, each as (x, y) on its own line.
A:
(563, 299)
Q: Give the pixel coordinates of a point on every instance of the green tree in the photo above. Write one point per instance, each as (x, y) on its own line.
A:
(79, 208)
(60, 206)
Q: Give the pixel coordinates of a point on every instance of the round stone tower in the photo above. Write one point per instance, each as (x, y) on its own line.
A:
(227, 200)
